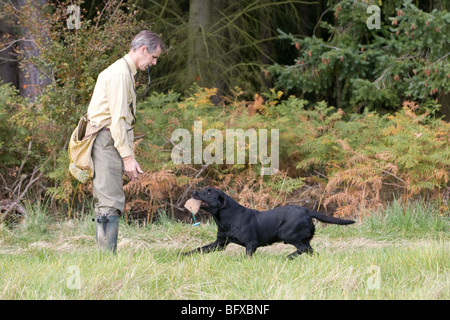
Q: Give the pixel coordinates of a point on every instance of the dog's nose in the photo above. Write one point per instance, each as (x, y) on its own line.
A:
(195, 193)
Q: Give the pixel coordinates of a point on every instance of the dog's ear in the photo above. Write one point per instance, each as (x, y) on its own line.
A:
(222, 200)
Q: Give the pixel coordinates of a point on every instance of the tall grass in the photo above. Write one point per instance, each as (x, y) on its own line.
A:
(418, 219)
(393, 254)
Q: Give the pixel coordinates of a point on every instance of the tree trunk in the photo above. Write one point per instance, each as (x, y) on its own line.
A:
(444, 100)
(31, 80)
(218, 53)
(265, 46)
(198, 27)
(8, 59)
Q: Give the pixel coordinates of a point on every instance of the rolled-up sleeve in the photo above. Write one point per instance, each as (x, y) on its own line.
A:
(117, 89)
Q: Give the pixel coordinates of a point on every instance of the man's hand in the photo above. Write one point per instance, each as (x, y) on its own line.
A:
(132, 168)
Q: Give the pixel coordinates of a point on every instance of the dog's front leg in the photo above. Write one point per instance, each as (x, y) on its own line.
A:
(215, 246)
(249, 250)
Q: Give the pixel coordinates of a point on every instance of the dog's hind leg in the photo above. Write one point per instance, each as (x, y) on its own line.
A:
(250, 249)
(302, 248)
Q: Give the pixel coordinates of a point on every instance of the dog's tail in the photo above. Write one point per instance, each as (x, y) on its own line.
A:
(327, 219)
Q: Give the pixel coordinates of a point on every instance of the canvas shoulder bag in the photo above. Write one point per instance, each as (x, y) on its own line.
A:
(80, 147)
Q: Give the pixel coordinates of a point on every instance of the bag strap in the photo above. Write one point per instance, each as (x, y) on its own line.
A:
(90, 129)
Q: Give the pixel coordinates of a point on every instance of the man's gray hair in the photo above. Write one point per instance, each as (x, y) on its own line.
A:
(149, 39)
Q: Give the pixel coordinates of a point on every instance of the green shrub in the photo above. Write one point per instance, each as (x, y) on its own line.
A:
(356, 68)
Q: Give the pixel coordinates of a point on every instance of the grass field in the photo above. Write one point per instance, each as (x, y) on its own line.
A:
(399, 253)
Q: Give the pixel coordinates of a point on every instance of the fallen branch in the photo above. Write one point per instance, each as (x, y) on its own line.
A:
(8, 206)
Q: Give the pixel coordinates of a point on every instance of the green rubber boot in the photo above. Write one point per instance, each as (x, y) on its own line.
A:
(106, 232)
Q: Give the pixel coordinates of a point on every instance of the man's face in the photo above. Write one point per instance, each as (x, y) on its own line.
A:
(148, 58)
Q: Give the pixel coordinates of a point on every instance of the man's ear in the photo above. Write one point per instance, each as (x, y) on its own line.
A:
(142, 49)
(222, 201)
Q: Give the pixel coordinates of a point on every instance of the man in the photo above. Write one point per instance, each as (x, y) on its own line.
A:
(113, 108)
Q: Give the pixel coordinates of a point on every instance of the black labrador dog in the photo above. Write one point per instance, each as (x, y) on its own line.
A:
(252, 228)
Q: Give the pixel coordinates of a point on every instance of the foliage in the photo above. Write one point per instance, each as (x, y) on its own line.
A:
(13, 141)
(369, 157)
(357, 162)
(19, 165)
(406, 59)
(72, 60)
(329, 158)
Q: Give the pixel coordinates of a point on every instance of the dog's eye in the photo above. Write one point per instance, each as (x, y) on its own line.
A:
(209, 192)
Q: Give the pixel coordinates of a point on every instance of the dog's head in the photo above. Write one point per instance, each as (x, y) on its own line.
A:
(212, 199)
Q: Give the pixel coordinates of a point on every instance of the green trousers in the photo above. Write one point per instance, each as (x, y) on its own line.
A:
(107, 183)
(107, 186)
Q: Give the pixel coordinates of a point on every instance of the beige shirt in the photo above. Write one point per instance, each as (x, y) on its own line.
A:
(109, 106)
